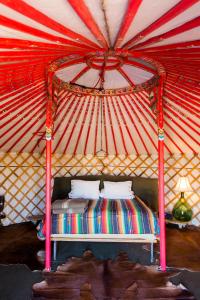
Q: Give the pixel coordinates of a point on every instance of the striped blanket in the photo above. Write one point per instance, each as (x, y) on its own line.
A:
(108, 217)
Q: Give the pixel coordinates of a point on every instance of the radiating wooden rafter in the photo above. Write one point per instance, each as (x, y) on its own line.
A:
(168, 16)
(84, 13)
(39, 33)
(124, 74)
(133, 6)
(173, 32)
(29, 11)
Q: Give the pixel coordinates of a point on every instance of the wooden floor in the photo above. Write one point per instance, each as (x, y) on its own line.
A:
(183, 248)
(89, 278)
(19, 244)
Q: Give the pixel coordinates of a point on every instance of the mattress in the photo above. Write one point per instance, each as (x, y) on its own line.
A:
(105, 216)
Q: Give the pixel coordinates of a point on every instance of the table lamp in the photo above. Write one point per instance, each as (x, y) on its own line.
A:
(182, 210)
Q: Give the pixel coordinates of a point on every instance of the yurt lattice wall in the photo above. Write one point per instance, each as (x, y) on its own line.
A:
(23, 177)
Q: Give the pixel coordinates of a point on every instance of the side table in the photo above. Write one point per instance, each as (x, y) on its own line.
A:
(180, 224)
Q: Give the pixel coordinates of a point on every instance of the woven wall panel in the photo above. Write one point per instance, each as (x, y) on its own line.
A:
(23, 177)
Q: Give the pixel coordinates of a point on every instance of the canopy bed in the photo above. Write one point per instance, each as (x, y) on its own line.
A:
(154, 85)
(107, 220)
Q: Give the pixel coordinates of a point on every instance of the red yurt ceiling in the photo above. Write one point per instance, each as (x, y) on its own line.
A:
(106, 55)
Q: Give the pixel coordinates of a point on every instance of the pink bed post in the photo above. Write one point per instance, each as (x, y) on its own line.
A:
(161, 177)
(49, 124)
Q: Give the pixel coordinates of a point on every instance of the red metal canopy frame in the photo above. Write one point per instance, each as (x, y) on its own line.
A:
(49, 133)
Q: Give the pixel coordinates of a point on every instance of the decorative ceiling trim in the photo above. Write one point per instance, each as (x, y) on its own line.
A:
(77, 89)
(121, 56)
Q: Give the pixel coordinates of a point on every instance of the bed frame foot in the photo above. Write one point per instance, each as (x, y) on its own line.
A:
(54, 250)
(151, 253)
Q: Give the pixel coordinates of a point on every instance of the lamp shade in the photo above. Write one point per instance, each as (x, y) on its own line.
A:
(183, 185)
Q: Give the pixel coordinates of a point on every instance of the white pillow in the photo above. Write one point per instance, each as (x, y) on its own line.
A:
(117, 190)
(84, 189)
(113, 196)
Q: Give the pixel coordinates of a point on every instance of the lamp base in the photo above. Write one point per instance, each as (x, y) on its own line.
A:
(182, 211)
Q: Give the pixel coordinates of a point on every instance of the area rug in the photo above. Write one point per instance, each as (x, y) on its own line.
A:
(190, 280)
(88, 278)
(16, 282)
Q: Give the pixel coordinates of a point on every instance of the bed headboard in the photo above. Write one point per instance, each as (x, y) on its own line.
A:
(145, 188)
